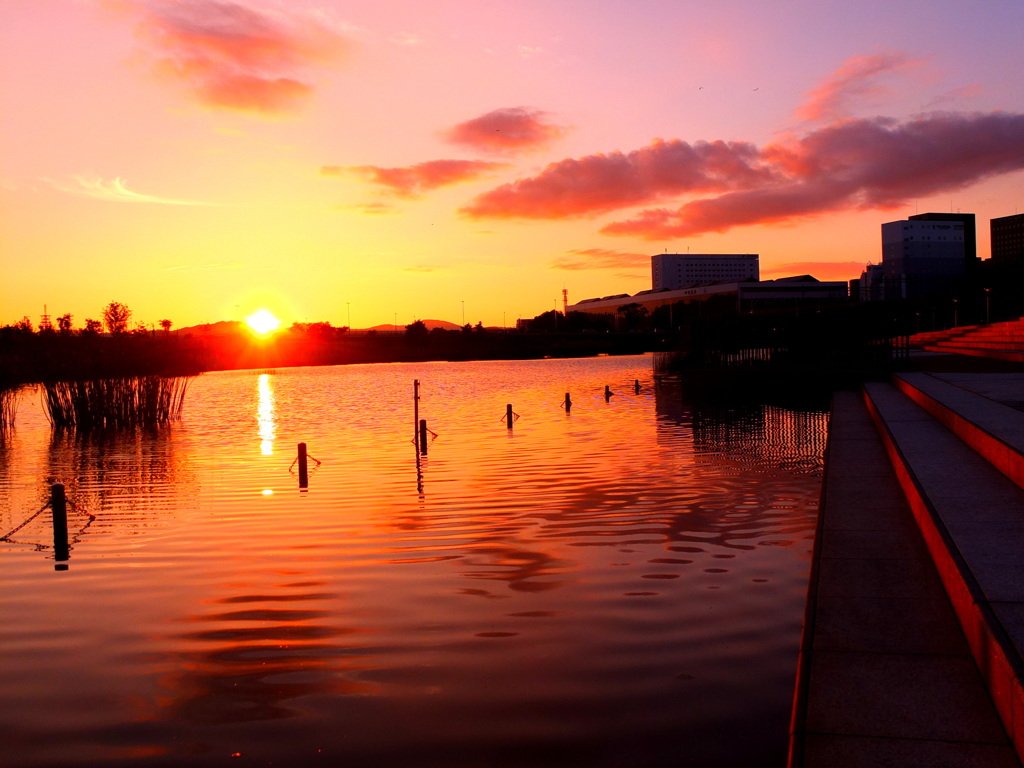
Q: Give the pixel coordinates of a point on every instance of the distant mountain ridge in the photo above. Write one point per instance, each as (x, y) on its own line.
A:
(431, 325)
(233, 326)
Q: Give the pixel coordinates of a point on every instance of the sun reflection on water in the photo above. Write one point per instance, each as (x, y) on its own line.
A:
(500, 597)
(265, 415)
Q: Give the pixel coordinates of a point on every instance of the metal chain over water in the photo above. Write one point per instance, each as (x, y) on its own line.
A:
(7, 536)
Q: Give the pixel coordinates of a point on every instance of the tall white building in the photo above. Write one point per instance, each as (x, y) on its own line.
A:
(923, 255)
(671, 271)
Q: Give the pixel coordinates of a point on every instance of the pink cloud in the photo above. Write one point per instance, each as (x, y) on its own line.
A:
(414, 180)
(858, 77)
(371, 209)
(857, 164)
(506, 130)
(232, 56)
(957, 95)
(600, 258)
(599, 183)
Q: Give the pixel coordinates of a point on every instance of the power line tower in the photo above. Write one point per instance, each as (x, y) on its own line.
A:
(44, 321)
(565, 301)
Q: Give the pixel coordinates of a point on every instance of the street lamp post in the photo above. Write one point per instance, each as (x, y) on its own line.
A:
(463, 313)
(348, 307)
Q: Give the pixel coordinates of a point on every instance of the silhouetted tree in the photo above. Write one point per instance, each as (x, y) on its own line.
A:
(166, 325)
(585, 321)
(64, 323)
(416, 331)
(546, 321)
(24, 325)
(633, 316)
(321, 330)
(92, 327)
(116, 317)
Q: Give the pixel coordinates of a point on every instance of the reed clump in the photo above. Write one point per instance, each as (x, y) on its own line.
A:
(8, 408)
(117, 403)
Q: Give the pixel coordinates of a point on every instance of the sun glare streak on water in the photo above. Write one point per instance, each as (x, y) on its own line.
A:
(265, 414)
(621, 584)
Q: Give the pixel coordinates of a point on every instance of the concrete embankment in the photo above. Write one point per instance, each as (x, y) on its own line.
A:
(911, 650)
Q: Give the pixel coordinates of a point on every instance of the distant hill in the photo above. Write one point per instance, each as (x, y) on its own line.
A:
(218, 328)
(431, 325)
(234, 326)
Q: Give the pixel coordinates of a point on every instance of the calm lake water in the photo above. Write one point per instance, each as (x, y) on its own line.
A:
(622, 585)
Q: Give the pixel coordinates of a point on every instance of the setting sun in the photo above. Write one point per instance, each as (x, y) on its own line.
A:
(263, 322)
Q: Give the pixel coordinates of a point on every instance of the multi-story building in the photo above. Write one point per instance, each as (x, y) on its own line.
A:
(926, 253)
(970, 231)
(671, 271)
(871, 285)
(1008, 239)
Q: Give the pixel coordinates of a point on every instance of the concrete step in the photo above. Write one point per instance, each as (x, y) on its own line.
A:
(1009, 332)
(982, 340)
(885, 675)
(992, 354)
(991, 428)
(971, 516)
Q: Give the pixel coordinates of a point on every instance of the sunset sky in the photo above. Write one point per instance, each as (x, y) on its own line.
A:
(386, 161)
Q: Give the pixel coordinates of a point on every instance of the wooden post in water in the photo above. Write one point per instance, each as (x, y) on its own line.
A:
(607, 393)
(509, 417)
(415, 407)
(303, 467)
(636, 386)
(423, 436)
(568, 402)
(59, 506)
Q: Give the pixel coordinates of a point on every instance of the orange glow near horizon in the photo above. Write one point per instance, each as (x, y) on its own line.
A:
(279, 155)
(263, 322)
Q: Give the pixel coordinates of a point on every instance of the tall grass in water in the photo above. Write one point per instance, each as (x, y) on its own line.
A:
(124, 402)
(8, 407)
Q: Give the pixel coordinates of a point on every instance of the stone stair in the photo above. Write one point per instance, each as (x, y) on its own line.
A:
(909, 654)
(956, 443)
(997, 341)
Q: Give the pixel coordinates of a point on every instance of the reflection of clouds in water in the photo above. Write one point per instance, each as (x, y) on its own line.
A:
(265, 415)
(727, 480)
(257, 659)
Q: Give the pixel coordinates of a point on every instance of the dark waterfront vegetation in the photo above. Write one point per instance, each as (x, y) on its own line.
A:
(126, 378)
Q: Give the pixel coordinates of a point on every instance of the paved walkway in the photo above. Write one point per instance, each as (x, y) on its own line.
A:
(887, 676)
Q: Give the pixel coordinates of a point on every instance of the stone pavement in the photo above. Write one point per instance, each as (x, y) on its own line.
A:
(915, 615)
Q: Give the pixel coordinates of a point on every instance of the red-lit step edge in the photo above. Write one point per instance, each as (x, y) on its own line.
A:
(998, 341)
(972, 519)
(992, 429)
(991, 354)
